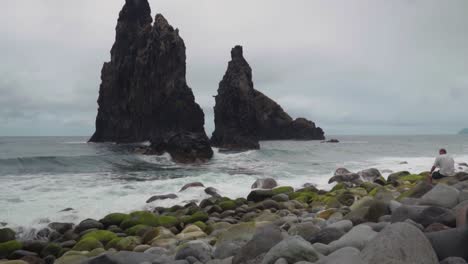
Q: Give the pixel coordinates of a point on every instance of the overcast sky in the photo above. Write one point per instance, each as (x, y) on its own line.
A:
(353, 67)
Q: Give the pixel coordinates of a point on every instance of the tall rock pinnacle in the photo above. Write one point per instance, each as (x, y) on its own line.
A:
(144, 94)
(244, 116)
(235, 117)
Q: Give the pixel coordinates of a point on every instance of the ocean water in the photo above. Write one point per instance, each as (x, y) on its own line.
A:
(41, 176)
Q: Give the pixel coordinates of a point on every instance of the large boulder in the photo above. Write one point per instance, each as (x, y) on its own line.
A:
(441, 195)
(144, 94)
(197, 249)
(233, 239)
(348, 255)
(264, 239)
(7, 234)
(345, 176)
(356, 237)
(371, 175)
(293, 250)
(424, 215)
(399, 243)
(450, 243)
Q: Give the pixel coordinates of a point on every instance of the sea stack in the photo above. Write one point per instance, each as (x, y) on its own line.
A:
(144, 95)
(235, 117)
(244, 116)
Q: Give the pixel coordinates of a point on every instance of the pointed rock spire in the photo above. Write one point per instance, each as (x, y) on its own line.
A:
(144, 94)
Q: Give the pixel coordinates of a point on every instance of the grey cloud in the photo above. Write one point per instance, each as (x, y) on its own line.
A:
(359, 66)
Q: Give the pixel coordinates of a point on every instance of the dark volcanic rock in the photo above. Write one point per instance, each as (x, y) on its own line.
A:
(144, 94)
(275, 124)
(243, 115)
(235, 118)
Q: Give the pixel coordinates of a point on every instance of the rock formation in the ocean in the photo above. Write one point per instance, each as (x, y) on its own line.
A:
(144, 94)
(235, 115)
(243, 115)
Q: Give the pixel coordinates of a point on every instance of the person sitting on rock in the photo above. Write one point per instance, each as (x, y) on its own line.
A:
(446, 166)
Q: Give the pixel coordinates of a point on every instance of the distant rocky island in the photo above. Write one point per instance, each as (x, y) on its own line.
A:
(244, 116)
(463, 131)
(144, 96)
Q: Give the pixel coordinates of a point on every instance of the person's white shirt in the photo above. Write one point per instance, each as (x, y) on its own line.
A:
(446, 164)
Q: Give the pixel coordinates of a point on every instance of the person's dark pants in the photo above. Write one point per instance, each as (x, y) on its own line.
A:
(436, 175)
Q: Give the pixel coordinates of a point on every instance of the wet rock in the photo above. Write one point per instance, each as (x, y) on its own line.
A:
(345, 176)
(33, 260)
(292, 249)
(7, 234)
(88, 224)
(327, 235)
(191, 185)
(394, 177)
(61, 227)
(267, 183)
(331, 141)
(162, 197)
(399, 243)
(260, 195)
(370, 175)
(144, 94)
(212, 191)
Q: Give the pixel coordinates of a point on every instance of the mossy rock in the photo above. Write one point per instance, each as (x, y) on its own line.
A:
(358, 191)
(113, 243)
(380, 180)
(53, 249)
(228, 205)
(303, 197)
(88, 244)
(369, 186)
(201, 225)
(149, 235)
(138, 230)
(346, 198)
(417, 191)
(241, 201)
(413, 178)
(339, 186)
(140, 218)
(6, 248)
(283, 189)
(198, 216)
(7, 234)
(71, 259)
(167, 221)
(114, 219)
(128, 243)
(102, 236)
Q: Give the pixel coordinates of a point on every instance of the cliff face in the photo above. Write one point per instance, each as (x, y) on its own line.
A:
(243, 115)
(144, 94)
(235, 118)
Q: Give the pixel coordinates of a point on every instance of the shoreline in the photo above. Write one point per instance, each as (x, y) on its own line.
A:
(326, 225)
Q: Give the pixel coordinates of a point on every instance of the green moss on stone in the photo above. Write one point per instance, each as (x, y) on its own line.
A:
(412, 178)
(240, 201)
(7, 234)
(6, 248)
(128, 243)
(53, 249)
(167, 221)
(198, 216)
(339, 186)
(228, 205)
(358, 191)
(304, 197)
(114, 219)
(113, 243)
(102, 236)
(88, 244)
(140, 218)
(283, 189)
(201, 225)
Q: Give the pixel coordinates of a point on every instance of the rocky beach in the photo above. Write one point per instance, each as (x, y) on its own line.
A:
(364, 218)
